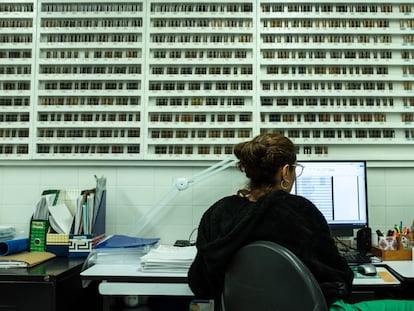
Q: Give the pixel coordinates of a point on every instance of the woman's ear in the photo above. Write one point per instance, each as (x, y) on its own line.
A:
(285, 172)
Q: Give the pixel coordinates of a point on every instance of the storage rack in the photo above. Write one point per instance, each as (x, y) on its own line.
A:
(169, 80)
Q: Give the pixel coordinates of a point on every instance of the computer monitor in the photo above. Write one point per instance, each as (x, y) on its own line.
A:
(339, 191)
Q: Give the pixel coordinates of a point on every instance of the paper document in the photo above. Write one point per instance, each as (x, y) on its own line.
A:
(42, 207)
(60, 218)
(166, 258)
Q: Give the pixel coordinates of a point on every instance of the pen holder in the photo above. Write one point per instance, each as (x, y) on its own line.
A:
(409, 241)
(405, 242)
(388, 242)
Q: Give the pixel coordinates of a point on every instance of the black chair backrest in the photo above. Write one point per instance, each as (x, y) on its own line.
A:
(265, 276)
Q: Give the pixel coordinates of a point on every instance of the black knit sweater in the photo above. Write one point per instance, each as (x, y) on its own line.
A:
(286, 219)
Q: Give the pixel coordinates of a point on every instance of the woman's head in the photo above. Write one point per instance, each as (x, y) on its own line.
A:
(267, 160)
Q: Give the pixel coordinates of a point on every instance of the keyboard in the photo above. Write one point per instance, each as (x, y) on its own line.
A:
(356, 258)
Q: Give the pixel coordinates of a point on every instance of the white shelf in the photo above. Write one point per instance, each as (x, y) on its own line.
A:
(161, 80)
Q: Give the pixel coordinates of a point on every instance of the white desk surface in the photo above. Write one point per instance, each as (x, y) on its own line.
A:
(153, 283)
(104, 271)
(124, 279)
(405, 268)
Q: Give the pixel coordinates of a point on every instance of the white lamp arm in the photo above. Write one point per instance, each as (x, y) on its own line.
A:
(181, 184)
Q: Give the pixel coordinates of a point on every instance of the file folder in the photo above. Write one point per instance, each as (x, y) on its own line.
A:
(25, 259)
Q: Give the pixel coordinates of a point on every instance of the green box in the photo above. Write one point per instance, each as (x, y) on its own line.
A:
(38, 230)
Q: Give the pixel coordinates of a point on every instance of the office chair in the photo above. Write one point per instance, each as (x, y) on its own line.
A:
(268, 277)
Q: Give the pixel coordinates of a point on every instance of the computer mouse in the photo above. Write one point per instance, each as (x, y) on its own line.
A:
(367, 269)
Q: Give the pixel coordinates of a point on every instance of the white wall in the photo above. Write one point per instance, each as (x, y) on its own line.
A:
(133, 190)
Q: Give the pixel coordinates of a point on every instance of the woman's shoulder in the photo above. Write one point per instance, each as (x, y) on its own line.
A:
(286, 196)
(293, 201)
(231, 202)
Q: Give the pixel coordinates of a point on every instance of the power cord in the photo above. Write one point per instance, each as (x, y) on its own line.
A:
(192, 242)
(189, 242)
(342, 246)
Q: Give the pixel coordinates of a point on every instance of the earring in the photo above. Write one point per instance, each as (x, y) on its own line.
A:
(284, 184)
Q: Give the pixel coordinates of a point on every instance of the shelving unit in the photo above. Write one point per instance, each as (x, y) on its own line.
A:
(169, 80)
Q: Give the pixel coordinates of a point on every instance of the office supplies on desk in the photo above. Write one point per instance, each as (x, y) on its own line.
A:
(387, 254)
(14, 246)
(367, 269)
(88, 208)
(38, 231)
(25, 259)
(382, 277)
(166, 258)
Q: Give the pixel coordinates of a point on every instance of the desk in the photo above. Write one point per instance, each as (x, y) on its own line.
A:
(403, 268)
(404, 271)
(127, 279)
(50, 286)
(370, 288)
(122, 280)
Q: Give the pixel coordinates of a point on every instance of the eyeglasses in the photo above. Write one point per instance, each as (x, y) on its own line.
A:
(298, 169)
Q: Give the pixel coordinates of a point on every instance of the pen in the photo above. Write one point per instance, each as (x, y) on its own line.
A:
(397, 229)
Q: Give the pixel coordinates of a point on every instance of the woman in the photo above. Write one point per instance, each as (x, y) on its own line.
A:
(266, 210)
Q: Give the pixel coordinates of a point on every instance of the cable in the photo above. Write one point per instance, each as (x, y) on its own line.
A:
(345, 247)
(192, 242)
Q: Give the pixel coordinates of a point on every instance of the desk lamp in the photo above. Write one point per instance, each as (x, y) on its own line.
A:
(180, 184)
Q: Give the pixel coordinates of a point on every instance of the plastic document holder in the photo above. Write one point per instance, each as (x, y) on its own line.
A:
(79, 245)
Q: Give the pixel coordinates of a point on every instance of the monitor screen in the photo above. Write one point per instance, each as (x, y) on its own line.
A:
(339, 191)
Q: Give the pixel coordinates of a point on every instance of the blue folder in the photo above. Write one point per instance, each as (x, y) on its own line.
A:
(123, 241)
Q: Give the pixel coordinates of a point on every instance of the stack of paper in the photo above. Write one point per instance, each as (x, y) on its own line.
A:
(7, 233)
(166, 258)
